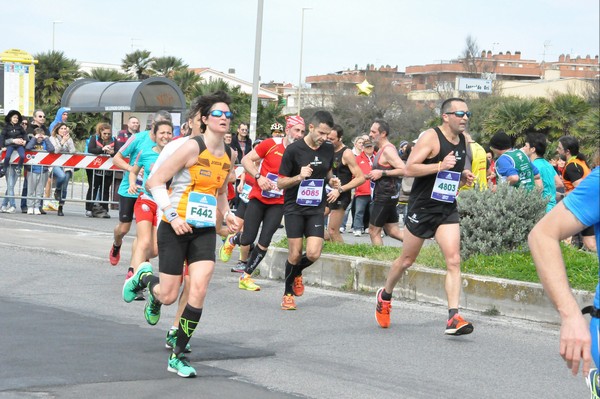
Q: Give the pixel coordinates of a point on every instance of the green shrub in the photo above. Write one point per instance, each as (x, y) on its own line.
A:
(493, 223)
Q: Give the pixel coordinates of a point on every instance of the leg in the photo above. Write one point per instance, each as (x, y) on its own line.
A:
(335, 221)
(448, 238)
(394, 231)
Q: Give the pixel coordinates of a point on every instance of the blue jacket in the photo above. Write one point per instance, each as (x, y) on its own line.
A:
(58, 117)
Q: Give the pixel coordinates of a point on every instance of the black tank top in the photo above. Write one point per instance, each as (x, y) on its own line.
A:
(387, 189)
(420, 195)
(339, 169)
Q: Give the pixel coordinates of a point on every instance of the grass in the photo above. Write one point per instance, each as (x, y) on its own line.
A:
(582, 267)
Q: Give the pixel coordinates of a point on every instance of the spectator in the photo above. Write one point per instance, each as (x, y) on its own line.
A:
(63, 143)
(61, 117)
(241, 142)
(37, 175)
(535, 148)
(39, 120)
(513, 166)
(102, 143)
(362, 194)
(14, 138)
(491, 168)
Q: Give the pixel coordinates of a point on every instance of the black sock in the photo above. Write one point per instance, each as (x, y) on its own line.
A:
(452, 312)
(147, 280)
(130, 269)
(289, 278)
(187, 325)
(256, 256)
(385, 296)
(304, 263)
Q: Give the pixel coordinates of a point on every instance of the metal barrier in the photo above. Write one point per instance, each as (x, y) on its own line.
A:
(88, 170)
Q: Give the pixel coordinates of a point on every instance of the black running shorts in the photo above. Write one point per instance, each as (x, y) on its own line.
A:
(424, 225)
(382, 214)
(173, 250)
(298, 226)
(126, 206)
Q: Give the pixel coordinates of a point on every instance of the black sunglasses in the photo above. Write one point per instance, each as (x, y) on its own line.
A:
(460, 114)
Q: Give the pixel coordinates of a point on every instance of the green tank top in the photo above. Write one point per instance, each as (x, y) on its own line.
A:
(523, 166)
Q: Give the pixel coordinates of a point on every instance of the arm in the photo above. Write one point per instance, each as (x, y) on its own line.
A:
(427, 147)
(558, 181)
(358, 177)
(119, 159)
(248, 162)
(49, 145)
(390, 156)
(133, 187)
(544, 239)
(29, 146)
(93, 147)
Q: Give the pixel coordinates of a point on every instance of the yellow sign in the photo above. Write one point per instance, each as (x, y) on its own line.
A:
(17, 82)
(16, 55)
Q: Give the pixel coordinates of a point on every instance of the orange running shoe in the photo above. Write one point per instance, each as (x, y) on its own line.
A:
(382, 310)
(458, 326)
(298, 286)
(288, 302)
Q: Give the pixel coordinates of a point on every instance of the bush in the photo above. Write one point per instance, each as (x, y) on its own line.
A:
(493, 223)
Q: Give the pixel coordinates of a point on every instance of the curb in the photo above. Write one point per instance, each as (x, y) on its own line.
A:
(507, 297)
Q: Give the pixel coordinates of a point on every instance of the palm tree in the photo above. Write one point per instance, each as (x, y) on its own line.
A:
(566, 110)
(106, 75)
(186, 80)
(138, 63)
(516, 116)
(167, 66)
(54, 73)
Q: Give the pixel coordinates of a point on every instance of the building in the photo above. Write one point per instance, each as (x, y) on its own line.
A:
(208, 75)
(348, 79)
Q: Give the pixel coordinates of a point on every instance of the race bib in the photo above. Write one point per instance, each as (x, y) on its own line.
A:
(201, 210)
(275, 193)
(245, 193)
(445, 187)
(310, 192)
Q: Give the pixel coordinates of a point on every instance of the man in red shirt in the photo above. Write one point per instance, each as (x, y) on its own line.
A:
(362, 194)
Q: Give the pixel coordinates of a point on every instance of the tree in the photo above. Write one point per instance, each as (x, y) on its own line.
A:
(138, 63)
(54, 73)
(106, 75)
(517, 116)
(565, 111)
(186, 80)
(167, 66)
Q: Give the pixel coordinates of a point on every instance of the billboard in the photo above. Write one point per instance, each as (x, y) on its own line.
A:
(17, 82)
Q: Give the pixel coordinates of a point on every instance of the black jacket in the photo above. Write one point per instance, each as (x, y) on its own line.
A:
(235, 144)
(11, 132)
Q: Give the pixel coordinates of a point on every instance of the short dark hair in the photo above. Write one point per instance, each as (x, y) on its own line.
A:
(242, 123)
(383, 126)
(447, 103)
(322, 117)
(339, 130)
(160, 123)
(203, 104)
(570, 143)
(537, 141)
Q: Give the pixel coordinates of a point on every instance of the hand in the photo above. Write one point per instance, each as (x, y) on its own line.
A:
(180, 226)
(266, 184)
(232, 224)
(375, 174)
(333, 196)
(133, 189)
(306, 171)
(575, 343)
(240, 187)
(467, 177)
(335, 182)
(448, 162)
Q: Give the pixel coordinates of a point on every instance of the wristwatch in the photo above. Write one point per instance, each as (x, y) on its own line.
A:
(340, 190)
(257, 176)
(383, 173)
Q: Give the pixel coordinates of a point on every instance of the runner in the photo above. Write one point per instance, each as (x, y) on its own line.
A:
(265, 204)
(199, 170)
(305, 169)
(350, 175)
(136, 144)
(438, 164)
(385, 179)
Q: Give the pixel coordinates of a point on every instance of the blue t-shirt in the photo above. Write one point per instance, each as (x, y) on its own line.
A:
(505, 166)
(547, 173)
(136, 145)
(584, 203)
(146, 160)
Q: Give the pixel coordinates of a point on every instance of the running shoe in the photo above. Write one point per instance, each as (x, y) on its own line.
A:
(593, 383)
(298, 286)
(239, 268)
(246, 283)
(132, 285)
(226, 249)
(171, 341)
(382, 310)
(114, 255)
(152, 309)
(458, 326)
(12, 209)
(36, 211)
(288, 302)
(180, 365)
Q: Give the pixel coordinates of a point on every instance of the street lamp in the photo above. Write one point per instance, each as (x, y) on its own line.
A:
(301, 48)
(53, 29)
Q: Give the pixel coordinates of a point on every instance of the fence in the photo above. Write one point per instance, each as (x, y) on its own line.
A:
(88, 170)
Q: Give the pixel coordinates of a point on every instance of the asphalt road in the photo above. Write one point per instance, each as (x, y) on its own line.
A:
(66, 333)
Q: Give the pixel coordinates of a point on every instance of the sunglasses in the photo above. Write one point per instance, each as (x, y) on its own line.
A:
(460, 114)
(217, 113)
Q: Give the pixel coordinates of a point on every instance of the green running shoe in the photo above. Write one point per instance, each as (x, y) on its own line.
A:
(132, 287)
(171, 341)
(181, 366)
(152, 309)
(226, 249)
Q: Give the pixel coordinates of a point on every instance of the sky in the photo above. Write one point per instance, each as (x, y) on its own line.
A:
(338, 34)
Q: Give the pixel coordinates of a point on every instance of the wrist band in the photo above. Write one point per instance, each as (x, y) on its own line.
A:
(161, 196)
(226, 214)
(171, 214)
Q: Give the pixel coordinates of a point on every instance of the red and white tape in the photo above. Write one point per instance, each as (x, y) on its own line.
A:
(66, 160)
